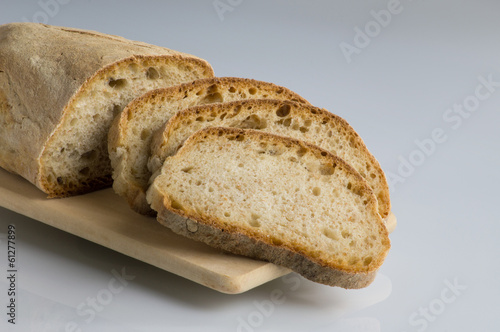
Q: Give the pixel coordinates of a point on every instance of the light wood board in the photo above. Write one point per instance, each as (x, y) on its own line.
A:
(104, 218)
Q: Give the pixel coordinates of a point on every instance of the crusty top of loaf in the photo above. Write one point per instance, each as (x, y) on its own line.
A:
(43, 67)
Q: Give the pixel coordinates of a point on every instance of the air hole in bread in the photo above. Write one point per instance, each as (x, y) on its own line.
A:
(308, 123)
(145, 133)
(331, 234)
(254, 220)
(240, 137)
(295, 126)
(232, 89)
(198, 183)
(372, 175)
(301, 152)
(316, 191)
(352, 144)
(134, 68)
(176, 205)
(59, 180)
(73, 121)
(199, 92)
(227, 214)
(212, 98)
(283, 111)
(367, 261)
(241, 165)
(210, 190)
(287, 122)
(188, 169)
(327, 169)
(345, 234)
(353, 261)
(293, 159)
(222, 116)
(118, 83)
(304, 129)
(152, 73)
(252, 91)
(253, 122)
(349, 185)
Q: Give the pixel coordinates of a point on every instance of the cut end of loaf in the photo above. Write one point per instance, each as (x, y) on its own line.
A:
(75, 159)
(276, 199)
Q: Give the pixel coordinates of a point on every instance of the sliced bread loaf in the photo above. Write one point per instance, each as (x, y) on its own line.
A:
(131, 132)
(305, 122)
(273, 198)
(59, 91)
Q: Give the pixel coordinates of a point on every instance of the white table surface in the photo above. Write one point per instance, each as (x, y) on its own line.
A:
(396, 88)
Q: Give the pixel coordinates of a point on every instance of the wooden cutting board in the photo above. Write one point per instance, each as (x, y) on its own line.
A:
(104, 218)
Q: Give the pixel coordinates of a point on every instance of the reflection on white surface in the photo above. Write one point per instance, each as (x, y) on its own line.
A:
(69, 284)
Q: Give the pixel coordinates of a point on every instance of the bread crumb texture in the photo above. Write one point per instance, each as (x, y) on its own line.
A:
(77, 156)
(277, 190)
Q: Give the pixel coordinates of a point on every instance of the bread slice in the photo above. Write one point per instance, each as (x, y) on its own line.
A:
(59, 91)
(130, 135)
(273, 198)
(305, 122)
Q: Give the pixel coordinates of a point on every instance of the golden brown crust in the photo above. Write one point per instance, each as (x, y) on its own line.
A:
(159, 95)
(245, 242)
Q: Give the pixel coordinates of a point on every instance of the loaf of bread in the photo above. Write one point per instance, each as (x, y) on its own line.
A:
(130, 134)
(304, 122)
(59, 91)
(273, 198)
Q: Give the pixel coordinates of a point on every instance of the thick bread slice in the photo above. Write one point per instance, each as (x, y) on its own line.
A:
(131, 133)
(273, 198)
(59, 91)
(305, 122)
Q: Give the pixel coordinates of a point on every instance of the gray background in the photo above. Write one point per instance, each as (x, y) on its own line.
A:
(397, 90)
